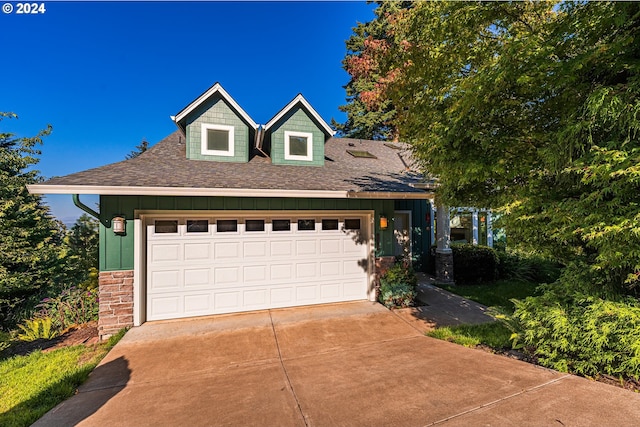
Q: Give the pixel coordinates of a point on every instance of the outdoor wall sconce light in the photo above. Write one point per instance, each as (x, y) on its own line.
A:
(384, 222)
(118, 223)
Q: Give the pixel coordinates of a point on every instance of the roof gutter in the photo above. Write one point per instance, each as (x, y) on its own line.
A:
(87, 209)
(221, 192)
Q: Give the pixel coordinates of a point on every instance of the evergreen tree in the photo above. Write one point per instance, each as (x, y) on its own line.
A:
(31, 258)
(141, 148)
(362, 122)
(82, 240)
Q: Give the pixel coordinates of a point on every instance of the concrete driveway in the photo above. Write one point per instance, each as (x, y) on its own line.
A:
(350, 364)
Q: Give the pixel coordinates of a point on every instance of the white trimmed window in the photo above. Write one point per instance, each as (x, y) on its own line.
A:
(298, 146)
(217, 140)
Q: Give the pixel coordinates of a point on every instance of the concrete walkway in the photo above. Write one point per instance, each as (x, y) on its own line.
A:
(437, 307)
(350, 364)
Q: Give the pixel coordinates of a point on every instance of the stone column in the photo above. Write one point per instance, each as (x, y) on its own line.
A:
(444, 255)
(115, 290)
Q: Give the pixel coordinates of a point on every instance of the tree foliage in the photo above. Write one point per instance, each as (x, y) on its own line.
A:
(140, 148)
(30, 239)
(82, 242)
(530, 108)
(367, 121)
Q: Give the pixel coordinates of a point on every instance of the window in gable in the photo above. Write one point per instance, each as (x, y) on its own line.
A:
(298, 146)
(217, 140)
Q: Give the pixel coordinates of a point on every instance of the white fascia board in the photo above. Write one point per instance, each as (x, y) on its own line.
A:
(202, 98)
(309, 108)
(217, 192)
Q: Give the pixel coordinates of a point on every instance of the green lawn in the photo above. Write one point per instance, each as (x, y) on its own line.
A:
(495, 335)
(33, 384)
(497, 294)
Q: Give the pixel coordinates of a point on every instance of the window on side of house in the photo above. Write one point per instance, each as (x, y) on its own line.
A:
(217, 140)
(298, 146)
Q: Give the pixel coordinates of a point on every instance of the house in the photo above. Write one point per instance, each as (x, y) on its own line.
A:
(225, 215)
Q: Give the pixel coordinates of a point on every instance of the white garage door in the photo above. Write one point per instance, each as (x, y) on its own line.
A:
(217, 263)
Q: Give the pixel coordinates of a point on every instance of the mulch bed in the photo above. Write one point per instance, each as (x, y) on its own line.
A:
(81, 334)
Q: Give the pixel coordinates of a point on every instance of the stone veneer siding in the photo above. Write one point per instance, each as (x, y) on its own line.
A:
(116, 302)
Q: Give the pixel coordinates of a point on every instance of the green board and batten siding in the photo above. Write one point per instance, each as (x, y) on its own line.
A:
(217, 111)
(420, 229)
(116, 252)
(296, 120)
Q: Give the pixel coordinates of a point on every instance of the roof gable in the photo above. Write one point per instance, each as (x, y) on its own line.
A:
(212, 91)
(300, 100)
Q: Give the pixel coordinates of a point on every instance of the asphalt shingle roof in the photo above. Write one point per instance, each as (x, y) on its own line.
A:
(165, 165)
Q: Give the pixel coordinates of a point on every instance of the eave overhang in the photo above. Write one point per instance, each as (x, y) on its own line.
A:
(222, 192)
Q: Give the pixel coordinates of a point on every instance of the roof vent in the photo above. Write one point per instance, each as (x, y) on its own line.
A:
(361, 154)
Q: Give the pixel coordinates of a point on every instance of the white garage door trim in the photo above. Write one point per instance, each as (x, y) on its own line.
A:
(213, 237)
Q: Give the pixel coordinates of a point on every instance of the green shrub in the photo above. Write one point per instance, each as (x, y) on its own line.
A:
(533, 268)
(73, 306)
(36, 329)
(474, 264)
(574, 327)
(398, 286)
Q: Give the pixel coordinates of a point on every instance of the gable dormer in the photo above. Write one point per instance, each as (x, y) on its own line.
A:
(297, 135)
(216, 128)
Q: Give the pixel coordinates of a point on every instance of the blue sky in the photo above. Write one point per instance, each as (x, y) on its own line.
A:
(106, 75)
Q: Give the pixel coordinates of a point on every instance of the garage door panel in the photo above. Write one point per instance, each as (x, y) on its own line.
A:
(352, 267)
(197, 277)
(281, 296)
(227, 300)
(255, 298)
(330, 247)
(329, 269)
(281, 272)
(353, 247)
(226, 275)
(197, 251)
(255, 249)
(196, 304)
(306, 247)
(305, 270)
(255, 273)
(165, 252)
(281, 248)
(330, 291)
(226, 250)
(165, 307)
(194, 274)
(165, 280)
(306, 294)
(354, 289)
